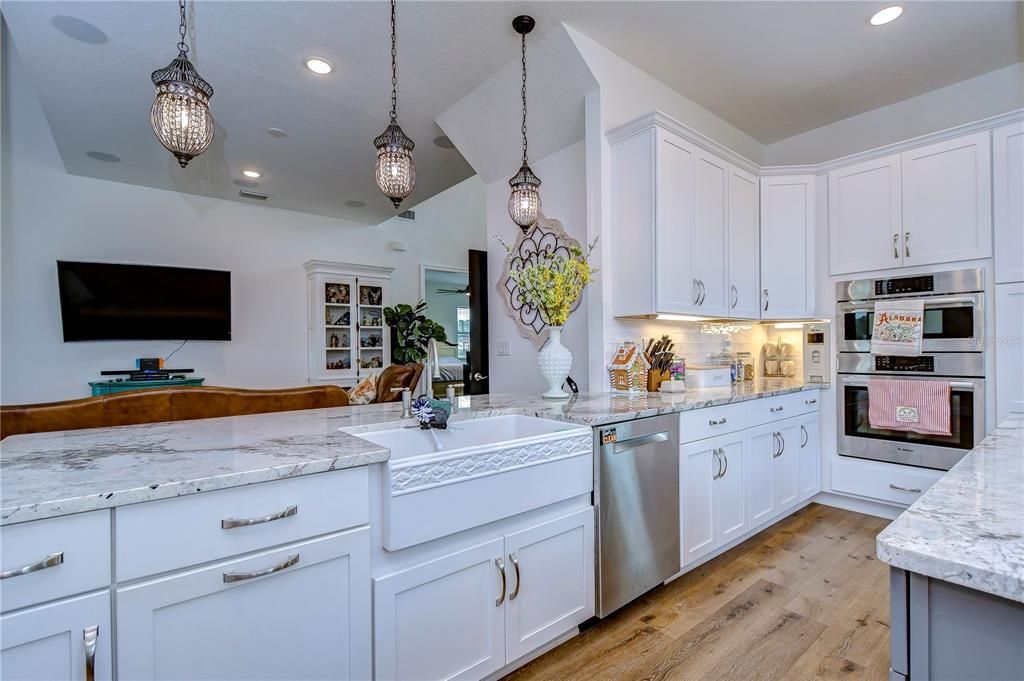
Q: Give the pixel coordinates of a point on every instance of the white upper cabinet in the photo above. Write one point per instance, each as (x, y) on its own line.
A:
(787, 247)
(671, 233)
(1008, 201)
(744, 250)
(864, 216)
(925, 206)
(947, 201)
(707, 250)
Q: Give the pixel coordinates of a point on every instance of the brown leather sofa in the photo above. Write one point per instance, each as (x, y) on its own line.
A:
(397, 376)
(163, 404)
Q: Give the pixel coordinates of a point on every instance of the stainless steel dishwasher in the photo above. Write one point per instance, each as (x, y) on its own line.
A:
(637, 499)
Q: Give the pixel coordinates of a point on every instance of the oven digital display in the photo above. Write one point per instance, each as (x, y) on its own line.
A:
(887, 287)
(896, 363)
(816, 337)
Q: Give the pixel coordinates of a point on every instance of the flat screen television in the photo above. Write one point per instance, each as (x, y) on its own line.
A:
(101, 301)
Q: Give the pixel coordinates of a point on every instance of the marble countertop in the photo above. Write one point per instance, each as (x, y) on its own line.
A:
(44, 475)
(968, 528)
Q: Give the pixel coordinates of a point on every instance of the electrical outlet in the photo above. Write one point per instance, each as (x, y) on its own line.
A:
(504, 348)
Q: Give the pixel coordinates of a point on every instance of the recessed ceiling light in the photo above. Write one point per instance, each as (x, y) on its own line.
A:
(443, 142)
(886, 15)
(319, 65)
(355, 204)
(276, 132)
(103, 156)
(251, 173)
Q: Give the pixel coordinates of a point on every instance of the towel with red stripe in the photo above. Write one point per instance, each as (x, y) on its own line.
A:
(909, 405)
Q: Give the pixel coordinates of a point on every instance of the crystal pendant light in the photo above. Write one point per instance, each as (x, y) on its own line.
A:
(524, 203)
(394, 170)
(180, 116)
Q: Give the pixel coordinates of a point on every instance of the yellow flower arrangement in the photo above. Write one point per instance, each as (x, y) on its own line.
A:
(553, 283)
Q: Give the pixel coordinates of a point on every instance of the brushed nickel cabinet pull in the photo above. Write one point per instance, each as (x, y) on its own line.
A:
(895, 241)
(228, 523)
(52, 560)
(514, 559)
(803, 431)
(501, 568)
(89, 636)
(776, 440)
(242, 576)
(765, 293)
(735, 296)
(718, 461)
(703, 292)
(811, 401)
(906, 244)
(695, 289)
(775, 410)
(717, 422)
(725, 458)
(915, 490)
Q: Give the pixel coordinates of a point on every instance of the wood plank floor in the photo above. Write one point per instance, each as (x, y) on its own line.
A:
(804, 599)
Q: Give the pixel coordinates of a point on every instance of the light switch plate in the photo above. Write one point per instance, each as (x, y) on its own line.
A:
(504, 348)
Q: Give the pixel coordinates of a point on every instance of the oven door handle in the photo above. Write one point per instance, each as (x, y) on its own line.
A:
(938, 301)
(955, 385)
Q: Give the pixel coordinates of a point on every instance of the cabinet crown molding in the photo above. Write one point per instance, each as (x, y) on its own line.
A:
(332, 267)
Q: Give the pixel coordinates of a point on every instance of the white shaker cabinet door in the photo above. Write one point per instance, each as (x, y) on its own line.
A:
(707, 255)
(443, 619)
(1008, 201)
(810, 464)
(864, 216)
(730, 506)
(947, 201)
(64, 641)
(786, 465)
(742, 296)
(298, 612)
(762, 446)
(550, 581)
(1009, 350)
(675, 282)
(698, 470)
(787, 247)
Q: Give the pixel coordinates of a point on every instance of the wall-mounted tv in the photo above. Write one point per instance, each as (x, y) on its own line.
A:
(100, 301)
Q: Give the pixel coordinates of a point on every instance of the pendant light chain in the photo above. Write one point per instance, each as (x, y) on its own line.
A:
(524, 98)
(394, 67)
(182, 29)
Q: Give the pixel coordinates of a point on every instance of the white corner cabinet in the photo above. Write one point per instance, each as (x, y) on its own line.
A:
(268, 581)
(348, 338)
(685, 227)
(499, 599)
(744, 466)
(927, 205)
(787, 247)
(1008, 202)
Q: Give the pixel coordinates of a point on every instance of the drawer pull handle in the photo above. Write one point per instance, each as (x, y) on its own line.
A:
(504, 584)
(52, 560)
(810, 402)
(519, 580)
(717, 422)
(228, 523)
(775, 410)
(806, 437)
(915, 490)
(242, 576)
(89, 636)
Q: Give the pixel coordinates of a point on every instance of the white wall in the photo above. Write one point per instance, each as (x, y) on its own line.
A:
(48, 214)
(563, 196)
(970, 100)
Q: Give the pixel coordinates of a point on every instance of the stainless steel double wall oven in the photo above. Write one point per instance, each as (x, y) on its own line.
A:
(953, 349)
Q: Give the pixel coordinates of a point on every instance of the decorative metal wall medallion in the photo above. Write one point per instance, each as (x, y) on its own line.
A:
(547, 235)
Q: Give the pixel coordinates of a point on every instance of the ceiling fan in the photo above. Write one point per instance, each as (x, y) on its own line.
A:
(452, 291)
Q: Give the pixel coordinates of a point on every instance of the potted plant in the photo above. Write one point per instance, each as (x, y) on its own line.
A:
(412, 331)
(551, 283)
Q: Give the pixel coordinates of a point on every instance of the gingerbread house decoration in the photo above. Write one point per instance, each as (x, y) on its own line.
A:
(627, 372)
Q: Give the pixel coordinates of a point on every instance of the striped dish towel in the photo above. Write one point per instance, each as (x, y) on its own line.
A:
(909, 405)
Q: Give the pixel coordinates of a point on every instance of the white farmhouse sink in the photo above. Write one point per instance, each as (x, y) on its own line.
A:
(438, 482)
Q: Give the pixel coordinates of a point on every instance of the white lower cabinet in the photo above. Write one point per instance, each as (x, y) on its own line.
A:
(66, 640)
(810, 456)
(297, 612)
(712, 494)
(786, 465)
(467, 614)
(762, 446)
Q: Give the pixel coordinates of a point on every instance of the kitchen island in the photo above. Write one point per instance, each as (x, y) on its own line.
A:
(957, 559)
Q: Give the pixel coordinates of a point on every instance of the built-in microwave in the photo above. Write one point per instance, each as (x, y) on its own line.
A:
(954, 310)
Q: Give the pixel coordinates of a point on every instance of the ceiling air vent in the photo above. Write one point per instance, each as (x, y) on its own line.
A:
(246, 194)
(407, 215)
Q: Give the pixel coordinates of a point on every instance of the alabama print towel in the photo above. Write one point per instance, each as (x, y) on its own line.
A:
(898, 327)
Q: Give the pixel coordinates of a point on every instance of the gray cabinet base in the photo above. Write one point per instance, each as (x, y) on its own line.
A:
(946, 632)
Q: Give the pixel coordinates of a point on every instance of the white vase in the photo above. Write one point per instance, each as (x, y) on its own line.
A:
(555, 361)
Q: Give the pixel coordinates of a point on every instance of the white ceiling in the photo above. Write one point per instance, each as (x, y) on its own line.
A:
(772, 69)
